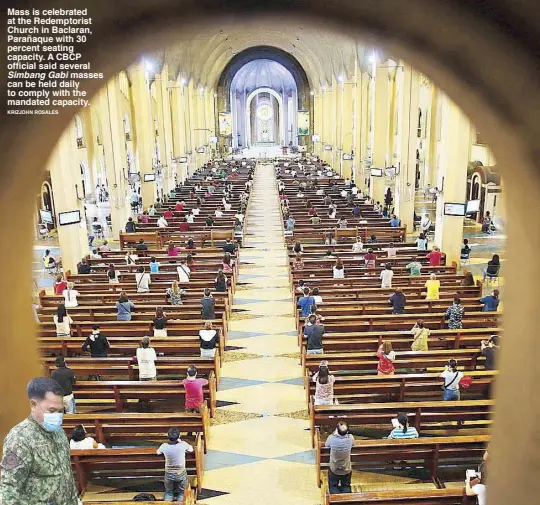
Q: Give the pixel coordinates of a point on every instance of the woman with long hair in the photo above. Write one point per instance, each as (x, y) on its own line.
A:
(59, 284)
(338, 269)
(63, 322)
(208, 338)
(160, 323)
(174, 293)
(420, 337)
(227, 263)
(298, 248)
(324, 385)
(172, 250)
(493, 267)
(468, 279)
(221, 282)
(113, 275)
(386, 357)
(124, 307)
(403, 430)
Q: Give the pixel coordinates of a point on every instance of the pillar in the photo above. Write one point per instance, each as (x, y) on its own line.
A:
(408, 81)
(347, 126)
(432, 140)
(191, 95)
(167, 128)
(452, 177)
(317, 122)
(68, 196)
(114, 153)
(362, 127)
(381, 130)
(143, 130)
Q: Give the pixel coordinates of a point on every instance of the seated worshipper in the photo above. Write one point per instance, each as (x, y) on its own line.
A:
(421, 242)
(305, 302)
(146, 359)
(465, 250)
(314, 333)
(330, 240)
(94, 255)
(356, 212)
(176, 477)
(435, 257)
(490, 302)
(402, 430)
(208, 305)
(70, 296)
(81, 440)
(316, 296)
(190, 218)
(62, 322)
(454, 315)
(342, 222)
(315, 219)
(174, 294)
(131, 258)
(65, 378)
(218, 212)
(432, 286)
(372, 239)
(97, 342)
(154, 265)
(172, 250)
(184, 272)
(160, 323)
(124, 307)
(386, 212)
(290, 224)
(229, 247)
(338, 271)
(370, 259)
(301, 286)
(190, 244)
(227, 264)
(414, 267)
(162, 222)
(489, 349)
(184, 225)
(141, 246)
(332, 212)
(298, 248)
(386, 276)
(420, 335)
(143, 218)
(113, 275)
(340, 443)
(142, 280)
(475, 485)
(358, 247)
(179, 207)
(493, 267)
(386, 359)
(196, 210)
(468, 279)
(208, 339)
(394, 222)
(487, 223)
(194, 390)
(397, 300)
(151, 211)
(324, 385)
(239, 215)
(391, 250)
(59, 284)
(83, 267)
(298, 263)
(168, 214)
(220, 282)
(451, 376)
(130, 226)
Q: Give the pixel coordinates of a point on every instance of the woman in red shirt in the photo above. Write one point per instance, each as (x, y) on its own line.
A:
(172, 250)
(184, 225)
(167, 214)
(435, 257)
(386, 359)
(59, 285)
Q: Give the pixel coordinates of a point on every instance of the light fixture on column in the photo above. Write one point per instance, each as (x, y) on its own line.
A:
(372, 57)
(340, 78)
(182, 82)
(148, 65)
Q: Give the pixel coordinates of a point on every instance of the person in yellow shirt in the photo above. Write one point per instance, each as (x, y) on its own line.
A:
(432, 286)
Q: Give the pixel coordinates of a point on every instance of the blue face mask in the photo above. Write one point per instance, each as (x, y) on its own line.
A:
(52, 421)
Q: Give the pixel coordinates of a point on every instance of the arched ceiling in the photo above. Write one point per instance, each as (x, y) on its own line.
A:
(325, 56)
(263, 73)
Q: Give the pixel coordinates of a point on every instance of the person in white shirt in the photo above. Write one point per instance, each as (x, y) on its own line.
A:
(320, 192)
(184, 272)
(227, 205)
(386, 276)
(218, 212)
(425, 224)
(94, 255)
(338, 270)
(130, 258)
(80, 440)
(451, 377)
(293, 172)
(70, 296)
(63, 322)
(239, 216)
(146, 358)
(358, 247)
(347, 182)
(354, 190)
(142, 280)
(344, 193)
(190, 218)
(475, 485)
(391, 251)
(196, 211)
(162, 222)
(316, 296)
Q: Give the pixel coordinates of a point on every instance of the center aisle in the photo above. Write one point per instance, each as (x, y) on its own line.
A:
(261, 453)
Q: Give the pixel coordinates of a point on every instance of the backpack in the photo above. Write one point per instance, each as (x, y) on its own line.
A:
(144, 497)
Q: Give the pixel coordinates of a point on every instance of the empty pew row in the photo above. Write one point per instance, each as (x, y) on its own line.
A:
(451, 496)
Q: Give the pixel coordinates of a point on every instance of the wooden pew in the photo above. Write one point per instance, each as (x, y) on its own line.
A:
(424, 416)
(118, 395)
(451, 496)
(124, 465)
(150, 237)
(433, 454)
(122, 429)
(189, 499)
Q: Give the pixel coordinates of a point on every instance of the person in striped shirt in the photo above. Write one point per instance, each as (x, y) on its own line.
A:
(403, 430)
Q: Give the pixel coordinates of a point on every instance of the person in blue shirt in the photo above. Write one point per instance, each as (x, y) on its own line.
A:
(305, 303)
(154, 265)
(394, 222)
(490, 302)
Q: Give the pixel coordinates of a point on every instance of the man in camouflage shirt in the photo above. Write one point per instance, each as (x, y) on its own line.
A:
(36, 466)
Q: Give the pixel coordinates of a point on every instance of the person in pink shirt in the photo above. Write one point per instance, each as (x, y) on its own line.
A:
(194, 390)
(179, 207)
(172, 250)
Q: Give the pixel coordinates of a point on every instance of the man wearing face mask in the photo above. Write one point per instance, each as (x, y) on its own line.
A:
(36, 467)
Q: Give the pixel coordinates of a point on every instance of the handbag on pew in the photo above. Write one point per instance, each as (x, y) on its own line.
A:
(465, 382)
(144, 497)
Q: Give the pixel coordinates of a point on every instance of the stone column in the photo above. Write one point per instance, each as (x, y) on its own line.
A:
(347, 127)
(452, 177)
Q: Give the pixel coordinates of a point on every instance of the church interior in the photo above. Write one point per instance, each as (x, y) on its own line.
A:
(296, 180)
